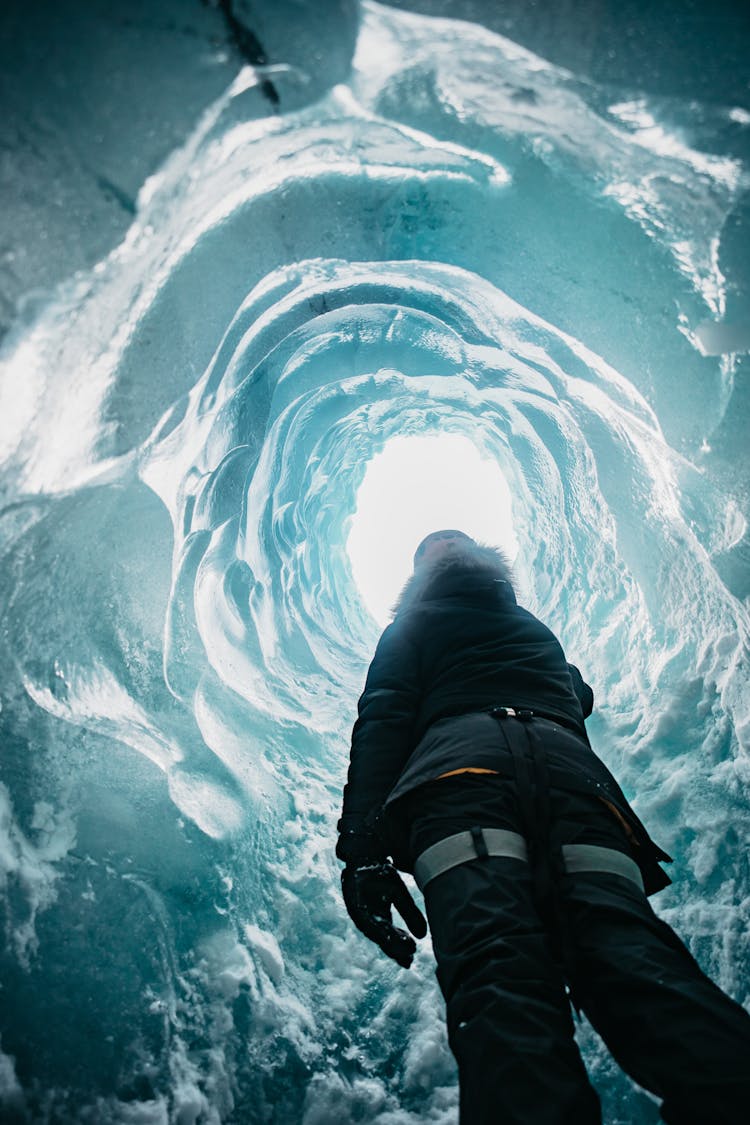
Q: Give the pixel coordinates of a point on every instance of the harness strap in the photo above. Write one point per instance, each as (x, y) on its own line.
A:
(532, 792)
(463, 847)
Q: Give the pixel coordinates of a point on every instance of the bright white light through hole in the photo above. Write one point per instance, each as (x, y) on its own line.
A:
(414, 486)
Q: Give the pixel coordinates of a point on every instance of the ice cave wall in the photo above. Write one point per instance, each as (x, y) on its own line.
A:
(429, 229)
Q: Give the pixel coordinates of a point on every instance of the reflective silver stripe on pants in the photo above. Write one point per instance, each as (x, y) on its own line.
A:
(454, 850)
(461, 848)
(589, 857)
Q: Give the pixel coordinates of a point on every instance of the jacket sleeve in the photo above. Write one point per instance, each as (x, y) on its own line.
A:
(582, 690)
(382, 738)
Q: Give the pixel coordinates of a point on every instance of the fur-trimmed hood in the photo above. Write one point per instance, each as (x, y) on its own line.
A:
(465, 561)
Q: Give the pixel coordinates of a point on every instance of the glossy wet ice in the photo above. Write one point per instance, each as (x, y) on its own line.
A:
(460, 237)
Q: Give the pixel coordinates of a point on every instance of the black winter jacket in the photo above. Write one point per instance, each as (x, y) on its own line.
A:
(463, 648)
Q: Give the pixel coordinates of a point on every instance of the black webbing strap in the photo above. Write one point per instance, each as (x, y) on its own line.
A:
(480, 846)
(533, 808)
(545, 851)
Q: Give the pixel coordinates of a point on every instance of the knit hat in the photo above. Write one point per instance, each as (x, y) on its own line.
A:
(446, 534)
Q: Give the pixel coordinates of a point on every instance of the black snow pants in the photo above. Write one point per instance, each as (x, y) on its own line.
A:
(499, 967)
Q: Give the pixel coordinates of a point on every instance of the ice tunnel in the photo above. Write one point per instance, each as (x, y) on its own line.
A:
(415, 485)
(378, 265)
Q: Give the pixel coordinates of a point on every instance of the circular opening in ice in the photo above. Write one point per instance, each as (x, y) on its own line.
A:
(416, 485)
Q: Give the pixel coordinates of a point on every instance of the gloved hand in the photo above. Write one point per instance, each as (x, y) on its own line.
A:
(370, 889)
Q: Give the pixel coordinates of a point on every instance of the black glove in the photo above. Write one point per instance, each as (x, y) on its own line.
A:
(370, 889)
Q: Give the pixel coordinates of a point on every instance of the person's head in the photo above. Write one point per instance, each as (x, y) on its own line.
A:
(453, 552)
(438, 544)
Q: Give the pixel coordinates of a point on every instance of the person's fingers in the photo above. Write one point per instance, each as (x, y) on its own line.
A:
(368, 903)
(408, 908)
(398, 946)
(395, 943)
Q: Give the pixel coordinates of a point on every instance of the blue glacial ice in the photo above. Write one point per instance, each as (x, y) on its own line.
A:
(460, 238)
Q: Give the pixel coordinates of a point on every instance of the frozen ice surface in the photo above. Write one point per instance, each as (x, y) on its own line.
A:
(458, 237)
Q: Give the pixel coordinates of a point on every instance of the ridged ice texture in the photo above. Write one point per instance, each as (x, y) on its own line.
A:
(451, 241)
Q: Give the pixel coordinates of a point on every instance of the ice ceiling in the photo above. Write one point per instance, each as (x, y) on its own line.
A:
(451, 242)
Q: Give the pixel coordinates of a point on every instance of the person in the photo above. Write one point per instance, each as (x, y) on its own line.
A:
(471, 768)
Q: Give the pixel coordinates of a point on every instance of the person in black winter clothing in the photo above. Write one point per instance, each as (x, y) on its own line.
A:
(471, 769)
